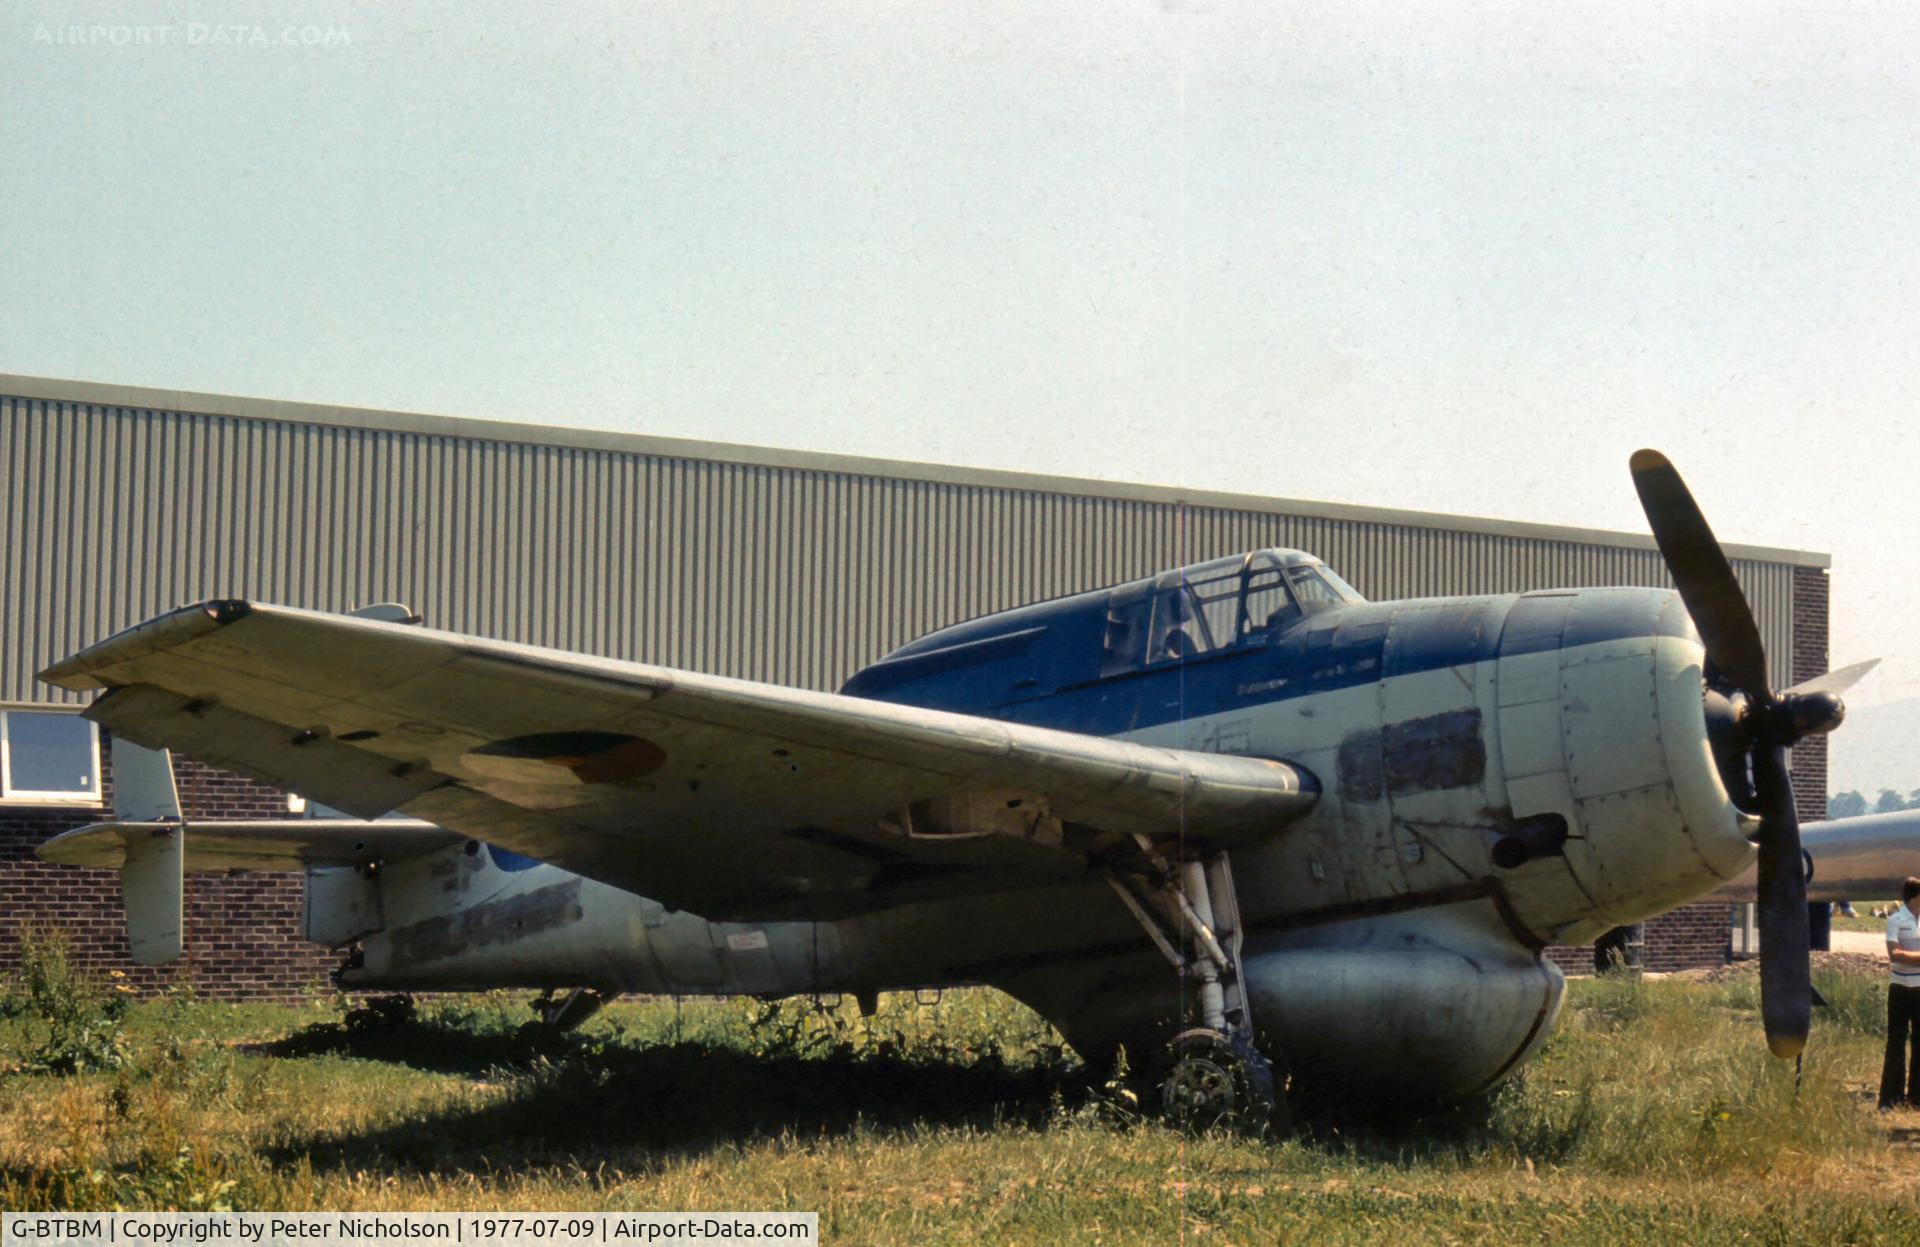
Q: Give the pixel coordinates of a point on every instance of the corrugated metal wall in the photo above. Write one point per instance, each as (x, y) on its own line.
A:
(792, 575)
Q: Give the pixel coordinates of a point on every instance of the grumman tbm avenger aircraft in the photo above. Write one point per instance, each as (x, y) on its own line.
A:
(1232, 814)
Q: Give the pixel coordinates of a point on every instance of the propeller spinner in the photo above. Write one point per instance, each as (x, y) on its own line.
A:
(1751, 727)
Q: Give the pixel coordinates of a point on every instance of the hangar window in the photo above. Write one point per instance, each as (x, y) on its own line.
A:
(48, 757)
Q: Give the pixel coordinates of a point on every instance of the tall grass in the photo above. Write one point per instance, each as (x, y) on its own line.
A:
(1657, 1076)
(1653, 1112)
(70, 1021)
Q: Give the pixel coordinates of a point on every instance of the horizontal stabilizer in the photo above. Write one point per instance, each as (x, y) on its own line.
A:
(264, 844)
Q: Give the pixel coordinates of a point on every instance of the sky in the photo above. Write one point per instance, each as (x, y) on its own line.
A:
(1446, 257)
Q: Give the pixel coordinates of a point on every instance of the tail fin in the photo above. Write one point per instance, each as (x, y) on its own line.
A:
(150, 881)
(143, 790)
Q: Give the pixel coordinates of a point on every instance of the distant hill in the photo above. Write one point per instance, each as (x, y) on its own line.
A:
(1877, 747)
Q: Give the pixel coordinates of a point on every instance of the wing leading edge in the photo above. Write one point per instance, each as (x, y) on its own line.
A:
(726, 797)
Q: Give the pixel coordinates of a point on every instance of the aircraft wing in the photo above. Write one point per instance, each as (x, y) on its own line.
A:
(729, 798)
(261, 844)
(1867, 857)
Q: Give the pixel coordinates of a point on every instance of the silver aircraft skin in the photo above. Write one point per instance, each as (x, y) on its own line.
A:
(1332, 833)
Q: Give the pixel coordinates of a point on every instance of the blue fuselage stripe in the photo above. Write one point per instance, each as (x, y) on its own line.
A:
(1346, 647)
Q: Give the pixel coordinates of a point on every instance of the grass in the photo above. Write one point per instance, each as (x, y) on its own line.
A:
(1863, 919)
(1654, 1111)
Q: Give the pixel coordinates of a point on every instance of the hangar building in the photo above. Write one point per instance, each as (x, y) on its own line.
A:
(118, 503)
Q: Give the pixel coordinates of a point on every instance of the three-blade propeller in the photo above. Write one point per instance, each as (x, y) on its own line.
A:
(1753, 727)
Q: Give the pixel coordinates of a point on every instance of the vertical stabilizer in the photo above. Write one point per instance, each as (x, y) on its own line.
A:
(150, 880)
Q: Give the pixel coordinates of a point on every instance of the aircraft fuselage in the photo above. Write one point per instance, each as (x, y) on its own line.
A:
(1496, 774)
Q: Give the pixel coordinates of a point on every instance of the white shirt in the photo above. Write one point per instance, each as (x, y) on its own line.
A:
(1903, 931)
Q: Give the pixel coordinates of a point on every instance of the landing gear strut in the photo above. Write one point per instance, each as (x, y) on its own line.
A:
(562, 1011)
(1192, 913)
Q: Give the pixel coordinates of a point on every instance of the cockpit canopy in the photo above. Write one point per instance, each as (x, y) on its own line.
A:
(1242, 600)
(1231, 604)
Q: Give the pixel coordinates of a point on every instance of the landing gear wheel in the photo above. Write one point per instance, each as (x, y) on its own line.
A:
(1213, 1078)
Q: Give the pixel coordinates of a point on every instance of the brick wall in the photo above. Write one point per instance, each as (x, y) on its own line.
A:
(1680, 939)
(242, 931)
(1810, 588)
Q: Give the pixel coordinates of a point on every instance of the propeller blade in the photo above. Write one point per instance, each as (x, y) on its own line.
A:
(1834, 681)
(1786, 984)
(1702, 574)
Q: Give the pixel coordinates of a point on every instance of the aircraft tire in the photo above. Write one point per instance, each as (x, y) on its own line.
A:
(1212, 1079)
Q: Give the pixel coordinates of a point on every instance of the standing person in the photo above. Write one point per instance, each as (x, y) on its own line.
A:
(1903, 1002)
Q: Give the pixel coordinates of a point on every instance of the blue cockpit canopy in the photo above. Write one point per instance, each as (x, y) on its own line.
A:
(1242, 601)
(1224, 604)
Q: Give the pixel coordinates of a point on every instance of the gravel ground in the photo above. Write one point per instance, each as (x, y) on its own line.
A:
(1837, 963)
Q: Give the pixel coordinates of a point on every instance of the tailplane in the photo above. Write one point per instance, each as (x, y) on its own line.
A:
(149, 844)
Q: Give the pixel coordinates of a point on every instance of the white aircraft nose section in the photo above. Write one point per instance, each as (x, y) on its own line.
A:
(1601, 723)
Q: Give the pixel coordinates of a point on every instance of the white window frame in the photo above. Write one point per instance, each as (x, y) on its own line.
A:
(9, 796)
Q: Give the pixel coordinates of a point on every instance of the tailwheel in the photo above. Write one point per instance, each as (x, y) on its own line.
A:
(1214, 1078)
(562, 1011)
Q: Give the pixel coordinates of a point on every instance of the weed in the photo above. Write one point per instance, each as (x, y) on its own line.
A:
(1546, 1129)
(377, 1015)
(79, 1020)
(189, 1180)
(1653, 1115)
(1854, 1002)
(1616, 1000)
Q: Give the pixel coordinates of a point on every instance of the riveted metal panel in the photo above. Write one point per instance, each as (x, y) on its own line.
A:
(745, 565)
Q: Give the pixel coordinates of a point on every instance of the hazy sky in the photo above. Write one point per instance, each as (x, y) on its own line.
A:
(1446, 257)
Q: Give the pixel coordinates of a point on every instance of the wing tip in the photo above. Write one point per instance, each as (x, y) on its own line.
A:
(81, 672)
(70, 674)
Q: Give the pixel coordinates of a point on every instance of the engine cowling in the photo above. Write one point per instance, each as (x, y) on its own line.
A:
(1601, 724)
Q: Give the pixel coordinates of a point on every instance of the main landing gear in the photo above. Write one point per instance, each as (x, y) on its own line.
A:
(1213, 1072)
